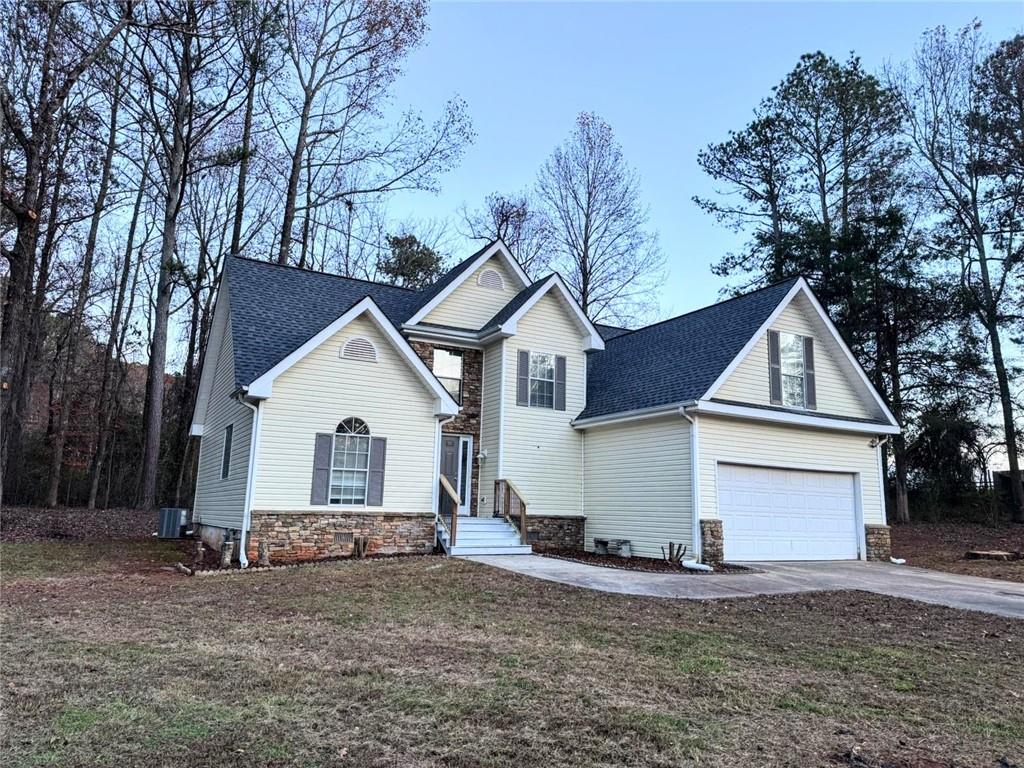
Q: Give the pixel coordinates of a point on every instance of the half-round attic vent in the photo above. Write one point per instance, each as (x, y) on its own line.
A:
(358, 348)
(491, 278)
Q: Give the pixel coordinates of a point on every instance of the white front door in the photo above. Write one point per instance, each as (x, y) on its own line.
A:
(786, 514)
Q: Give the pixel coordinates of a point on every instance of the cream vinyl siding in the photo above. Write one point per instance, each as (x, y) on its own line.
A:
(221, 502)
(734, 441)
(637, 484)
(472, 305)
(835, 384)
(541, 452)
(490, 426)
(321, 390)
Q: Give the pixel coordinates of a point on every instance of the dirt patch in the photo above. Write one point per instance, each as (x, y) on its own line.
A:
(75, 524)
(646, 564)
(942, 546)
(434, 661)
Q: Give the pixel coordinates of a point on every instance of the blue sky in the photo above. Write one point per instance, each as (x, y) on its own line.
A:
(668, 77)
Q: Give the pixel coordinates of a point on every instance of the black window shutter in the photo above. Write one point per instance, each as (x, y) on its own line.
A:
(810, 396)
(774, 369)
(375, 480)
(523, 378)
(559, 383)
(321, 468)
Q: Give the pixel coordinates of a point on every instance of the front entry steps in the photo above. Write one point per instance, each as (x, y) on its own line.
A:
(483, 536)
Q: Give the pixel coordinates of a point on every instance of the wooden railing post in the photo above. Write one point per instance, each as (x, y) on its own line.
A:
(522, 521)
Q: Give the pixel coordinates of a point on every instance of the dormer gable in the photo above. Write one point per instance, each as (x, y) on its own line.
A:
(484, 284)
(798, 362)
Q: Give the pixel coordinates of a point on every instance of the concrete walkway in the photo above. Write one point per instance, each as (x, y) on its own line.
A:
(1003, 598)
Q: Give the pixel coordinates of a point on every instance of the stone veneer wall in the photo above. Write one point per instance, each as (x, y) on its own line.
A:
(555, 532)
(298, 536)
(878, 541)
(712, 542)
(468, 420)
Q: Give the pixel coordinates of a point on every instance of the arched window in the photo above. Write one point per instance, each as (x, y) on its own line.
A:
(359, 348)
(491, 278)
(350, 462)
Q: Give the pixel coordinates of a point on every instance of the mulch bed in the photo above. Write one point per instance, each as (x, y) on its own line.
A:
(76, 524)
(646, 564)
(943, 546)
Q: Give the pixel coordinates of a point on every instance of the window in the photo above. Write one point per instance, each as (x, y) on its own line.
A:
(448, 369)
(350, 462)
(358, 348)
(791, 362)
(491, 278)
(542, 380)
(225, 459)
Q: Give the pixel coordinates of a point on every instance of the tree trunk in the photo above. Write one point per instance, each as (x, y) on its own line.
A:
(243, 165)
(78, 311)
(990, 319)
(165, 287)
(115, 343)
(292, 191)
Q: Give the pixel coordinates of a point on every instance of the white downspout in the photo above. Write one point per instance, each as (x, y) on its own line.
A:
(243, 559)
(694, 480)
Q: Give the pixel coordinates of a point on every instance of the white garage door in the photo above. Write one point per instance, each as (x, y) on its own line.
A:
(785, 514)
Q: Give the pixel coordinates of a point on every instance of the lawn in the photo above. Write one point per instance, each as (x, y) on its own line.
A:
(107, 659)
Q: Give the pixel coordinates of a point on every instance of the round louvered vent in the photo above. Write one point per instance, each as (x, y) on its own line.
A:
(358, 348)
(491, 278)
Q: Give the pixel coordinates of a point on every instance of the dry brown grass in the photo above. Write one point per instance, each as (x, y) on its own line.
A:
(430, 661)
(942, 546)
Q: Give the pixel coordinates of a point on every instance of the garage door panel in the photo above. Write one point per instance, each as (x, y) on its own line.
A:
(780, 514)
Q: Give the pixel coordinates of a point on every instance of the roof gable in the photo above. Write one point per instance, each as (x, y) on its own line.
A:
(450, 282)
(809, 309)
(263, 386)
(507, 319)
(474, 299)
(838, 392)
(276, 309)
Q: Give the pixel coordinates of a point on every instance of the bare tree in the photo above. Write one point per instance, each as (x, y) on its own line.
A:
(46, 50)
(189, 92)
(344, 56)
(520, 223)
(608, 258)
(945, 108)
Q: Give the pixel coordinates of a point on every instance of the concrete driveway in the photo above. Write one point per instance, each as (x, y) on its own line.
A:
(1003, 598)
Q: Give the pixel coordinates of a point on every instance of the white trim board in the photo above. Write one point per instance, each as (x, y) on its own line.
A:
(221, 317)
(801, 286)
(497, 248)
(793, 419)
(263, 387)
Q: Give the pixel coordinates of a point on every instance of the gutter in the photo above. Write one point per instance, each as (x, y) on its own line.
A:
(636, 415)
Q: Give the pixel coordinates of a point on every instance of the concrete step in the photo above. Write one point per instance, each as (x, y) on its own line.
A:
(483, 522)
(460, 550)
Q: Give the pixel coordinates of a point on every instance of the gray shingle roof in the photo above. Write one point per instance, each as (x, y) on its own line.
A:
(276, 309)
(675, 361)
(610, 331)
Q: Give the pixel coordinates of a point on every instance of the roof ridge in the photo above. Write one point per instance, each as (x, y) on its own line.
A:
(328, 274)
(705, 307)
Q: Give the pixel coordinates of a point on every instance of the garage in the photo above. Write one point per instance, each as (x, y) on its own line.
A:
(787, 514)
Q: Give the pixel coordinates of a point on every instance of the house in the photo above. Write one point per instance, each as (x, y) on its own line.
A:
(487, 413)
